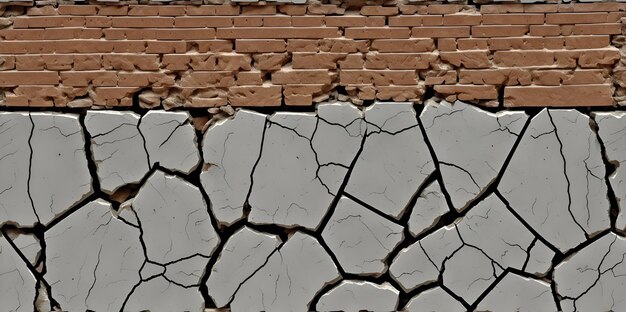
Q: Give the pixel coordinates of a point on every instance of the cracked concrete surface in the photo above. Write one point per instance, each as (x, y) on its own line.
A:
(391, 206)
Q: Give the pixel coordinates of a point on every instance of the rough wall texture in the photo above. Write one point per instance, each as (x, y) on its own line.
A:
(272, 55)
(459, 157)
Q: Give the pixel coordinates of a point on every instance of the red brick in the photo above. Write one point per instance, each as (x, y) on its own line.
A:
(204, 21)
(587, 42)
(472, 44)
(467, 59)
(142, 22)
(501, 8)
(259, 45)
(469, 92)
(276, 21)
(47, 10)
(250, 78)
(247, 21)
(567, 95)
(51, 34)
(597, 29)
(378, 77)
(84, 9)
(270, 61)
(113, 10)
(303, 76)
(379, 10)
(413, 20)
(576, 18)
(130, 62)
(86, 78)
(545, 30)
(526, 43)
(399, 60)
(202, 79)
(540, 8)
(139, 79)
(400, 93)
(15, 78)
(403, 45)
(377, 32)
(322, 60)
(441, 32)
(307, 21)
(444, 8)
(499, 31)
(255, 95)
(48, 21)
(113, 96)
(513, 19)
(277, 32)
(258, 10)
(499, 76)
(568, 77)
(356, 21)
(341, 45)
(462, 19)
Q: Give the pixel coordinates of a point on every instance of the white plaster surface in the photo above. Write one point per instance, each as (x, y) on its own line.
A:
(117, 148)
(360, 239)
(471, 145)
(170, 140)
(174, 218)
(160, 295)
(429, 207)
(519, 294)
(243, 254)
(395, 160)
(555, 180)
(231, 148)
(300, 261)
(354, 296)
(611, 128)
(17, 284)
(434, 300)
(93, 259)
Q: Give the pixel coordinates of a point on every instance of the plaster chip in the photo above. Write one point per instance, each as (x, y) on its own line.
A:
(434, 300)
(394, 161)
(29, 246)
(421, 262)
(361, 239)
(59, 175)
(231, 148)
(15, 151)
(160, 295)
(611, 128)
(297, 271)
(518, 294)
(471, 145)
(17, 284)
(243, 254)
(594, 278)
(303, 164)
(96, 264)
(170, 140)
(555, 180)
(469, 273)
(492, 228)
(117, 148)
(354, 296)
(429, 207)
(174, 218)
(187, 272)
(539, 259)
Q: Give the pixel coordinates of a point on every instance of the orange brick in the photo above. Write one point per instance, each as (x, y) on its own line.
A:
(499, 31)
(576, 18)
(441, 32)
(377, 32)
(308, 60)
(567, 95)
(377, 77)
(379, 10)
(467, 59)
(403, 45)
(259, 45)
(86, 78)
(462, 19)
(513, 19)
(277, 32)
(303, 76)
(15, 78)
(255, 95)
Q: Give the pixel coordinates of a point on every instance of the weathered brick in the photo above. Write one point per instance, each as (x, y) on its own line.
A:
(467, 59)
(303, 76)
(400, 93)
(567, 95)
(379, 10)
(142, 79)
(130, 62)
(202, 79)
(196, 22)
(357, 21)
(462, 19)
(377, 77)
(308, 60)
(500, 76)
(86, 78)
(587, 42)
(513, 19)
(441, 32)
(597, 29)
(499, 31)
(15, 78)
(270, 61)
(403, 45)
(468, 92)
(260, 45)
(277, 32)
(255, 95)
(576, 18)
(569, 77)
(377, 32)
(142, 22)
(399, 60)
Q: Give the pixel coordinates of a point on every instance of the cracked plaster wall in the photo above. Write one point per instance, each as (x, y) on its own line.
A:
(393, 206)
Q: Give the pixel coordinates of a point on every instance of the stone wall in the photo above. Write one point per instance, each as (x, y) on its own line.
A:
(298, 156)
(171, 56)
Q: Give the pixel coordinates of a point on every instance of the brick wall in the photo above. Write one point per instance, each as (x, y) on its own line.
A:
(296, 55)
